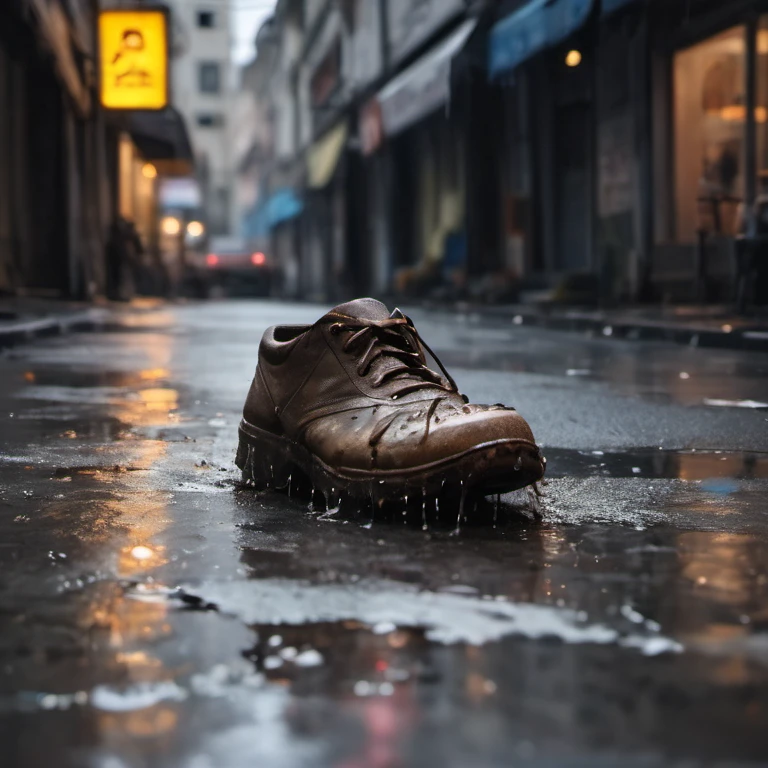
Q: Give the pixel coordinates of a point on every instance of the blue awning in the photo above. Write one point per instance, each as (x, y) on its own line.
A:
(517, 37)
(537, 25)
(564, 17)
(282, 205)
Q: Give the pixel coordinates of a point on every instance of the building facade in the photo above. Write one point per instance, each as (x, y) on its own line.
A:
(584, 150)
(52, 213)
(70, 169)
(204, 89)
(632, 142)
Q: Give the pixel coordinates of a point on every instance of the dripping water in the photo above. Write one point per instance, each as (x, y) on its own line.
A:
(461, 506)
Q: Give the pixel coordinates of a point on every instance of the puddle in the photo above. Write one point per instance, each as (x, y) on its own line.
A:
(655, 463)
(61, 424)
(444, 618)
(83, 378)
(753, 404)
(95, 470)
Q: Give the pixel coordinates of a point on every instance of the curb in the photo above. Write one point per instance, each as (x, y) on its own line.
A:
(12, 334)
(751, 339)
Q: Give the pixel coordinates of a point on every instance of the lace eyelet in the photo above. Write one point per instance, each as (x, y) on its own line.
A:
(335, 329)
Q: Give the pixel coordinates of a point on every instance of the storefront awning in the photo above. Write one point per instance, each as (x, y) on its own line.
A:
(564, 17)
(324, 156)
(537, 25)
(163, 140)
(282, 205)
(517, 37)
(424, 86)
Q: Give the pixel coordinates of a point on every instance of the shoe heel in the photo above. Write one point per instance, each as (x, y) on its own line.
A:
(265, 463)
(254, 465)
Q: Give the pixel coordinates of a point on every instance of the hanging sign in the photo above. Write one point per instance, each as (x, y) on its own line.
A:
(133, 58)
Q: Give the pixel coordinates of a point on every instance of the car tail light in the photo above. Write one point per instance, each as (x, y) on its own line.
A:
(211, 259)
(258, 259)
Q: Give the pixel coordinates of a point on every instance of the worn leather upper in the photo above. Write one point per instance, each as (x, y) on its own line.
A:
(355, 389)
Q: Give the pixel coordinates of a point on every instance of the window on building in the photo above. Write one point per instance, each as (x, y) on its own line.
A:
(350, 10)
(210, 119)
(709, 142)
(209, 76)
(206, 19)
(325, 78)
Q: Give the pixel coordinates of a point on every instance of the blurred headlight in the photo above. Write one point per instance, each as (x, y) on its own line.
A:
(195, 229)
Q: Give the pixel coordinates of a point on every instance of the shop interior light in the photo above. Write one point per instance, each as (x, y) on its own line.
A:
(573, 58)
(258, 259)
(211, 259)
(170, 225)
(149, 171)
(737, 113)
(195, 229)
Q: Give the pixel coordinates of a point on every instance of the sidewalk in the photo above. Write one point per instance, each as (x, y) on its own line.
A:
(696, 326)
(24, 319)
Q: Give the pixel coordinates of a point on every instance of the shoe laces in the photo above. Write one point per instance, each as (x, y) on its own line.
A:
(396, 338)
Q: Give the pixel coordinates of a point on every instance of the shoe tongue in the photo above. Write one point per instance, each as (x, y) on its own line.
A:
(368, 309)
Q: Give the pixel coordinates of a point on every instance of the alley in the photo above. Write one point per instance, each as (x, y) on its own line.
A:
(155, 613)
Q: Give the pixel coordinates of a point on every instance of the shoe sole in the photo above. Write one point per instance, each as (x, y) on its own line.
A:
(501, 466)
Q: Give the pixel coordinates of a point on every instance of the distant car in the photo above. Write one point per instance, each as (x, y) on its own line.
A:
(228, 268)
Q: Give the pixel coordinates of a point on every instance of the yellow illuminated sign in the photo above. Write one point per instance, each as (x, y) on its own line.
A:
(133, 54)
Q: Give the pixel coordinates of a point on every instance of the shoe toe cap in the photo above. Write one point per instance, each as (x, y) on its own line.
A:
(451, 436)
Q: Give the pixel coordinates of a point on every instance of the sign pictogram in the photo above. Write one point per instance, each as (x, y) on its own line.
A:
(133, 47)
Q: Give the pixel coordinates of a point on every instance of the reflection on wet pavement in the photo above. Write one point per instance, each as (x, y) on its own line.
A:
(651, 462)
(658, 372)
(155, 613)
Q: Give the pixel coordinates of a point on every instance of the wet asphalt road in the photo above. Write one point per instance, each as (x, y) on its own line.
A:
(153, 613)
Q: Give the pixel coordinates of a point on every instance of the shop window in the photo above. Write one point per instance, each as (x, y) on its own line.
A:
(709, 120)
(761, 106)
(206, 19)
(210, 120)
(209, 76)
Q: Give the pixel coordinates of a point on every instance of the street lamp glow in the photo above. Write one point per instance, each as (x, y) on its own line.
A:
(149, 171)
(170, 225)
(573, 58)
(195, 229)
(141, 553)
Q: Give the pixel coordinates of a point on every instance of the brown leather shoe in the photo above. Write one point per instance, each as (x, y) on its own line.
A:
(350, 403)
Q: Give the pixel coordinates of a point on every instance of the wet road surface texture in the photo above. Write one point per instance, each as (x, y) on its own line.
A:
(155, 613)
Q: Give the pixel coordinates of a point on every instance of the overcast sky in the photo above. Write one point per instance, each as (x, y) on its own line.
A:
(247, 17)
